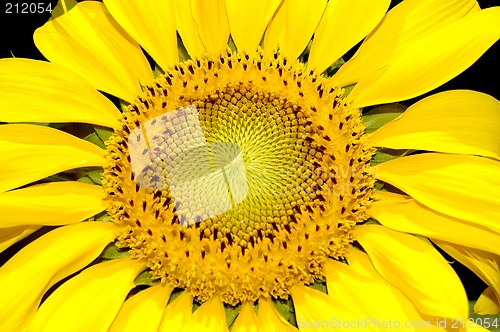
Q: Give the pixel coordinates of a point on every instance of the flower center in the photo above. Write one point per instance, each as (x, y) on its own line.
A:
(238, 176)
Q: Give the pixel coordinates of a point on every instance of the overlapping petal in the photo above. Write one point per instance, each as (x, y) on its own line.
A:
(460, 186)
(401, 26)
(362, 293)
(152, 24)
(29, 153)
(246, 320)
(343, 25)
(416, 269)
(404, 214)
(302, 19)
(56, 94)
(11, 235)
(459, 121)
(186, 26)
(484, 264)
(248, 20)
(41, 204)
(178, 314)
(143, 311)
(54, 256)
(487, 303)
(442, 55)
(210, 317)
(270, 320)
(90, 42)
(213, 27)
(313, 308)
(101, 289)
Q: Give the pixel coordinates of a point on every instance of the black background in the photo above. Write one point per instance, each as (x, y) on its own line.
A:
(16, 40)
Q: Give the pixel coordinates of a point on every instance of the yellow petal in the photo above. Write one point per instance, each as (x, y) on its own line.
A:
(460, 186)
(54, 203)
(484, 264)
(459, 121)
(178, 314)
(209, 317)
(186, 26)
(152, 24)
(39, 91)
(362, 294)
(89, 301)
(488, 303)
(211, 20)
(343, 25)
(143, 311)
(404, 214)
(11, 235)
(405, 23)
(248, 20)
(89, 41)
(416, 269)
(313, 308)
(430, 61)
(302, 20)
(270, 320)
(276, 29)
(29, 153)
(33, 270)
(246, 320)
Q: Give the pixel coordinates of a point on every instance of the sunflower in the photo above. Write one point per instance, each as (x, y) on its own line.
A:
(235, 174)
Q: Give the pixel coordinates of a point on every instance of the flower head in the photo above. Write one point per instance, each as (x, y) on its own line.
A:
(242, 178)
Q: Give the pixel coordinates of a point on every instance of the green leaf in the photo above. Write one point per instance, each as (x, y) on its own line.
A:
(380, 115)
(113, 252)
(62, 7)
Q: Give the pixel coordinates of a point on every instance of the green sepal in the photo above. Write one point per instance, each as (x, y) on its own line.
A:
(334, 68)
(321, 286)
(175, 294)
(95, 176)
(157, 72)
(95, 139)
(85, 180)
(286, 309)
(145, 278)
(231, 313)
(103, 216)
(379, 185)
(231, 44)
(113, 252)
(380, 115)
(384, 155)
(103, 133)
(181, 50)
(347, 90)
(59, 8)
